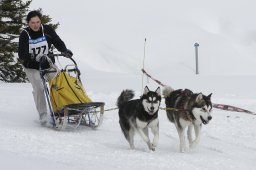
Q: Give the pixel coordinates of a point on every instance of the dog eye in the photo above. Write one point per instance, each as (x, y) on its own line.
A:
(204, 109)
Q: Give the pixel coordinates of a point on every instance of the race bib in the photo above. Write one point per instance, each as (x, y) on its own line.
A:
(38, 46)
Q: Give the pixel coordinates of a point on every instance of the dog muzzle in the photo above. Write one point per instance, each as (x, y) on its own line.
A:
(205, 121)
(151, 111)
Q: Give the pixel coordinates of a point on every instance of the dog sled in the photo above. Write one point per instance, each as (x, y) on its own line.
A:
(68, 102)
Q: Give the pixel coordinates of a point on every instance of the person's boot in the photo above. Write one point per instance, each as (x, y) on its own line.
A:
(43, 118)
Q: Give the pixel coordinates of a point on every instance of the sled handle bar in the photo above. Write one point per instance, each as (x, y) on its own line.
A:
(62, 54)
(54, 71)
(69, 70)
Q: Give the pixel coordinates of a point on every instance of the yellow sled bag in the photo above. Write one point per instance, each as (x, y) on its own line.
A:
(66, 90)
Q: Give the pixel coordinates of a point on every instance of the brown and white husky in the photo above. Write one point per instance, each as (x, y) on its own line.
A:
(187, 109)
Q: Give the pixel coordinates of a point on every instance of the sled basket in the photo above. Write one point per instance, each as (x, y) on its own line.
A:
(68, 102)
(66, 90)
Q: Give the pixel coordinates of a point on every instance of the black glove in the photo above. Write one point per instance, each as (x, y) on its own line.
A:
(44, 63)
(68, 53)
(40, 58)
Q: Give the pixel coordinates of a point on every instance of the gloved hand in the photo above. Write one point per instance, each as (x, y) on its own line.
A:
(31, 56)
(41, 57)
(68, 53)
(43, 62)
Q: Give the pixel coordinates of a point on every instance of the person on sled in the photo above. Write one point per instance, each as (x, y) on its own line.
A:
(34, 43)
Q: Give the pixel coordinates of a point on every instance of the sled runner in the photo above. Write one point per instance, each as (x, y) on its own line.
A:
(68, 102)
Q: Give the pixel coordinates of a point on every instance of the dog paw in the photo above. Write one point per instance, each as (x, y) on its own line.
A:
(132, 147)
(182, 150)
(152, 147)
(192, 145)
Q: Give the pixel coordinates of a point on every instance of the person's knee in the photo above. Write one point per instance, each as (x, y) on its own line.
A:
(38, 87)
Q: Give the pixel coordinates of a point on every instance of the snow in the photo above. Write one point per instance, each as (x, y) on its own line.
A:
(107, 39)
(228, 141)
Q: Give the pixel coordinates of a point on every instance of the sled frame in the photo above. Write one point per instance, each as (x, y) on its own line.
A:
(86, 114)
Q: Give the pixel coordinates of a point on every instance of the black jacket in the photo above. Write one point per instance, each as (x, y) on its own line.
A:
(51, 37)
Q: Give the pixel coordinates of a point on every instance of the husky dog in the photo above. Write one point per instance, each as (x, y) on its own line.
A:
(139, 115)
(187, 109)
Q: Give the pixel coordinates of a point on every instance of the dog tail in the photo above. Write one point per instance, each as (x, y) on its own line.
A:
(167, 91)
(125, 96)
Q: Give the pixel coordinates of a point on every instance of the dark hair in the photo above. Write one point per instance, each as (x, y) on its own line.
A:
(32, 14)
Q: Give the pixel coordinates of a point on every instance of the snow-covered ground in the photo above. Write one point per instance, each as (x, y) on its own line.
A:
(107, 38)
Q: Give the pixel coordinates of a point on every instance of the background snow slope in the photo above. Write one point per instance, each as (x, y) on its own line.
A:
(107, 38)
(109, 35)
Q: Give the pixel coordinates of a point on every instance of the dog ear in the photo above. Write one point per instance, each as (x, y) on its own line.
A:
(209, 96)
(146, 90)
(199, 97)
(158, 91)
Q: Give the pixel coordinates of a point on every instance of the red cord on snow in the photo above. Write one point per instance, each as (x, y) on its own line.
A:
(218, 106)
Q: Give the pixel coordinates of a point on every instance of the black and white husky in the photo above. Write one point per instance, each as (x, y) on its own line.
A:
(139, 115)
(187, 109)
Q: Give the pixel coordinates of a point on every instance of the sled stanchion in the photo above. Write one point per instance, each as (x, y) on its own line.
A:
(65, 119)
